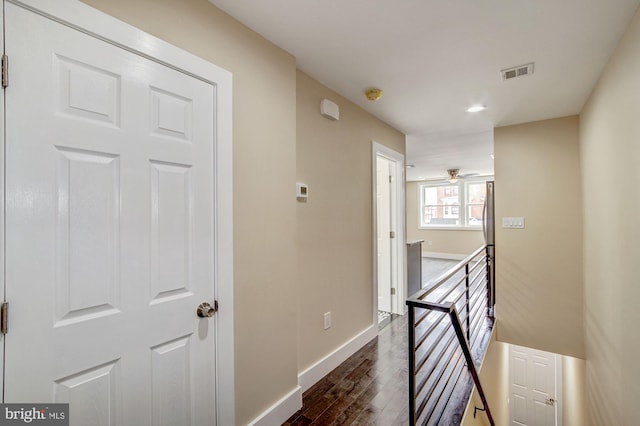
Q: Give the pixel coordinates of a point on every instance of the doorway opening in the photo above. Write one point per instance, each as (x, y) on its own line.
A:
(389, 234)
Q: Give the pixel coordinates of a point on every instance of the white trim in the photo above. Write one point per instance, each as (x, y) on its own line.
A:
(559, 389)
(397, 301)
(279, 412)
(2, 201)
(449, 256)
(317, 371)
(450, 228)
(88, 20)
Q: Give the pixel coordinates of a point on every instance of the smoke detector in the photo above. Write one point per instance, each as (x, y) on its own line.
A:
(519, 71)
(373, 94)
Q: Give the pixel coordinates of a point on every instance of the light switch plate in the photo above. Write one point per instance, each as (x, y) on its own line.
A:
(327, 320)
(513, 222)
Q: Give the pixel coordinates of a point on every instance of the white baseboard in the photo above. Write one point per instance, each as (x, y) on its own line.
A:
(317, 371)
(279, 412)
(450, 256)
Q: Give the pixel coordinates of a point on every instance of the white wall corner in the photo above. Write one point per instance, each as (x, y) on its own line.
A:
(317, 371)
(279, 412)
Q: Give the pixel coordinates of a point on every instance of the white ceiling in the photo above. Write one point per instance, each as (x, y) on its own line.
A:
(435, 58)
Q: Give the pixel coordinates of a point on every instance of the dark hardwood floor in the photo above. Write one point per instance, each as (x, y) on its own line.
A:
(369, 388)
(432, 268)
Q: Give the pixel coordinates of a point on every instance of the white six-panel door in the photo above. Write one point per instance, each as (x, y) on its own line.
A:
(533, 396)
(109, 230)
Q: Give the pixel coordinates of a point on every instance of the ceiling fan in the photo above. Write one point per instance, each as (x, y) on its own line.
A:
(453, 175)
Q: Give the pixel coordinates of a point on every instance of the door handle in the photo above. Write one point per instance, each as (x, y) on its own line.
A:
(205, 310)
(550, 401)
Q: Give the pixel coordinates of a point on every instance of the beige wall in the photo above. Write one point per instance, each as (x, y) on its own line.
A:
(264, 114)
(575, 411)
(461, 241)
(494, 376)
(539, 293)
(610, 149)
(335, 231)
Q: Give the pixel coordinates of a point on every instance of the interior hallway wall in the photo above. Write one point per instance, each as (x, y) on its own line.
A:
(335, 225)
(264, 150)
(610, 149)
(539, 288)
(575, 409)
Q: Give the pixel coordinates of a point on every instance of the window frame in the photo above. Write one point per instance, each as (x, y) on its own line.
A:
(463, 206)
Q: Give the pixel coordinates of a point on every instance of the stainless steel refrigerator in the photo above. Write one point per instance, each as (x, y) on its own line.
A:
(489, 230)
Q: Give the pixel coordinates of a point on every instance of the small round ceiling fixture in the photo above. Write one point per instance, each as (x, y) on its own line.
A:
(476, 108)
(373, 94)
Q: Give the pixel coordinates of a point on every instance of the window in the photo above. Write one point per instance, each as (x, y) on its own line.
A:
(475, 195)
(458, 205)
(440, 205)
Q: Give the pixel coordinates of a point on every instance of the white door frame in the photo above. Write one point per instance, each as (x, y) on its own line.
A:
(397, 303)
(90, 21)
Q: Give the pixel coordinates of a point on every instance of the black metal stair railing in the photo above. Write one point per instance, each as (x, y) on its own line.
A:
(449, 321)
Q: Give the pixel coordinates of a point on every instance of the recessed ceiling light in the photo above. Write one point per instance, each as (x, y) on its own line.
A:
(410, 166)
(476, 108)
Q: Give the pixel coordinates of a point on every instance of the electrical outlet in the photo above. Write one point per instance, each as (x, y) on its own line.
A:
(327, 320)
(430, 243)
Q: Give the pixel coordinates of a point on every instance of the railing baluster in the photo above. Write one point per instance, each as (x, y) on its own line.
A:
(412, 366)
(466, 281)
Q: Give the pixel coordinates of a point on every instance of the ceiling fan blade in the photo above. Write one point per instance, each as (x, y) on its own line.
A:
(466, 175)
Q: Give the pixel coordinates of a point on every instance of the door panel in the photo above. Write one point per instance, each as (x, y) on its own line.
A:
(170, 378)
(92, 394)
(88, 194)
(109, 230)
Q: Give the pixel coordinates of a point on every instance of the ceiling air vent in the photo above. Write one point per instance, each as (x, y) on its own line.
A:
(519, 71)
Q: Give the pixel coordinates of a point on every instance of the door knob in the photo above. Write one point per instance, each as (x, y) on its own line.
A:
(550, 401)
(205, 310)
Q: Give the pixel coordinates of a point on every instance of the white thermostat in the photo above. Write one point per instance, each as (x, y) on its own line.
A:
(302, 191)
